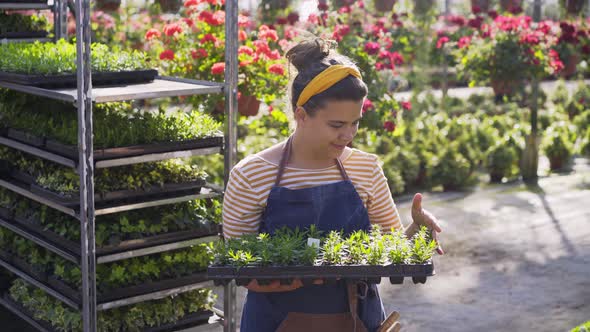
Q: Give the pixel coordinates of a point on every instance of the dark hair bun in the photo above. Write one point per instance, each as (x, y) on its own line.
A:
(309, 52)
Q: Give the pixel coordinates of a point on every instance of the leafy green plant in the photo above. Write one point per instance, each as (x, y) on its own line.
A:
(557, 146)
(423, 246)
(14, 22)
(60, 58)
(135, 317)
(501, 161)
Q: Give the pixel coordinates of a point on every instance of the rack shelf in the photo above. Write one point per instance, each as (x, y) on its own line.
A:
(162, 86)
(136, 159)
(17, 310)
(25, 5)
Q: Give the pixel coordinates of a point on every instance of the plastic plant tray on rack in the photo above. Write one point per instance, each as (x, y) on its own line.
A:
(189, 320)
(122, 246)
(71, 151)
(22, 34)
(122, 195)
(396, 273)
(69, 80)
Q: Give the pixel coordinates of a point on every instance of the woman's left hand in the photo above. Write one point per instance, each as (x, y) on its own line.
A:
(422, 217)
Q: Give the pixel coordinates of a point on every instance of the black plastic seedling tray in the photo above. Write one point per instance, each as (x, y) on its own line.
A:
(125, 245)
(71, 151)
(122, 195)
(285, 274)
(24, 137)
(69, 80)
(130, 291)
(22, 34)
(189, 320)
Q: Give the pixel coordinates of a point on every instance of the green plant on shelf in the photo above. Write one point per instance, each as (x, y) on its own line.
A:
(136, 317)
(288, 247)
(15, 22)
(115, 124)
(60, 58)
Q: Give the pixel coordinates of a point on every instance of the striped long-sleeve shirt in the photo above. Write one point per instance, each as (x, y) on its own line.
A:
(252, 178)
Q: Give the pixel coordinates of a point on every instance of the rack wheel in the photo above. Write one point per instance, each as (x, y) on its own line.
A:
(419, 280)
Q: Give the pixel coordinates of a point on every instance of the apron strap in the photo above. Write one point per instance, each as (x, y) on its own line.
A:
(285, 159)
(353, 301)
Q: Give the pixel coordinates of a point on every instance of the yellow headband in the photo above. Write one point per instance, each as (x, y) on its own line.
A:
(325, 80)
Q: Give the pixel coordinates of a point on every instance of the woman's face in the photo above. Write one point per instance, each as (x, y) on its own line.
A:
(331, 128)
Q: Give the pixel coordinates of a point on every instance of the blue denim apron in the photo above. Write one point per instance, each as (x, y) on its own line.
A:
(335, 206)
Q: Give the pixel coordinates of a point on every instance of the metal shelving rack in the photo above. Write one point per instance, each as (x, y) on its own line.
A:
(83, 97)
(59, 9)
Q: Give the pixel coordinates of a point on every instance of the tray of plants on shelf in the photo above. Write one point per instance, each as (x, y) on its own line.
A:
(115, 280)
(365, 256)
(170, 313)
(120, 129)
(16, 25)
(53, 65)
(124, 183)
(118, 232)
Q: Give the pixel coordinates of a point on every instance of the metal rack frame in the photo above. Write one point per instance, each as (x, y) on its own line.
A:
(59, 8)
(83, 97)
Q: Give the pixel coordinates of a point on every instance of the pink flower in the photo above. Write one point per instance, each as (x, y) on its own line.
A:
(493, 14)
(242, 35)
(406, 105)
(277, 68)
(261, 47)
(152, 33)
(268, 34)
(188, 21)
(199, 53)
(246, 50)
(218, 68)
(323, 6)
(442, 41)
(167, 55)
(368, 105)
(396, 58)
(172, 29)
(372, 48)
(188, 3)
(464, 42)
(208, 38)
(530, 38)
(476, 9)
(389, 126)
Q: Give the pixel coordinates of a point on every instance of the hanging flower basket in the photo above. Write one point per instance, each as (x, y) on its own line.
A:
(483, 5)
(108, 5)
(508, 5)
(248, 105)
(384, 5)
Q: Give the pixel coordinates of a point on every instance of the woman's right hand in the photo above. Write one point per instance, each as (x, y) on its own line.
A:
(275, 286)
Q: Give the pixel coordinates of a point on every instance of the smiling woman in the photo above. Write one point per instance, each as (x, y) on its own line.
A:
(314, 179)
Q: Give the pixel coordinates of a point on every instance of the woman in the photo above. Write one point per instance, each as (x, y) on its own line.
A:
(314, 178)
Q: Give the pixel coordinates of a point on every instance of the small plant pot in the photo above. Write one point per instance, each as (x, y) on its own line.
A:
(556, 163)
(496, 177)
(24, 137)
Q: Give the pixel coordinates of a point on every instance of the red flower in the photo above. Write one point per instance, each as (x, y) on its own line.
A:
(268, 34)
(344, 10)
(406, 105)
(151, 33)
(340, 30)
(172, 29)
(516, 10)
(384, 54)
(261, 47)
(368, 105)
(476, 22)
(554, 61)
(464, 42)
(530, 39)
(293, 18)
(274, 55)
(282, 20)
(586, 49)
(200, 53)
(167, 55)
(389, 126)
(396, 58)
(379, 66)
(442, 41)
(493, 14)
(476, 9)
(218, 68)
(242, 35)
(456, 20)
(188, 3)
(372, 48)
(243, 21)
(246, 50)
(208, 38)
(277, 68)
(188, 21)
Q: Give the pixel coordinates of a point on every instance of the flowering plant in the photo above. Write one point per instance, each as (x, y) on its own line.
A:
(510, 50)
(194, 47)
(571, 43)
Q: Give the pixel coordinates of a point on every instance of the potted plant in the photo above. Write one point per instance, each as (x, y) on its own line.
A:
(502, 161)
(557, 146)
(568, 47)
(506, 54)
